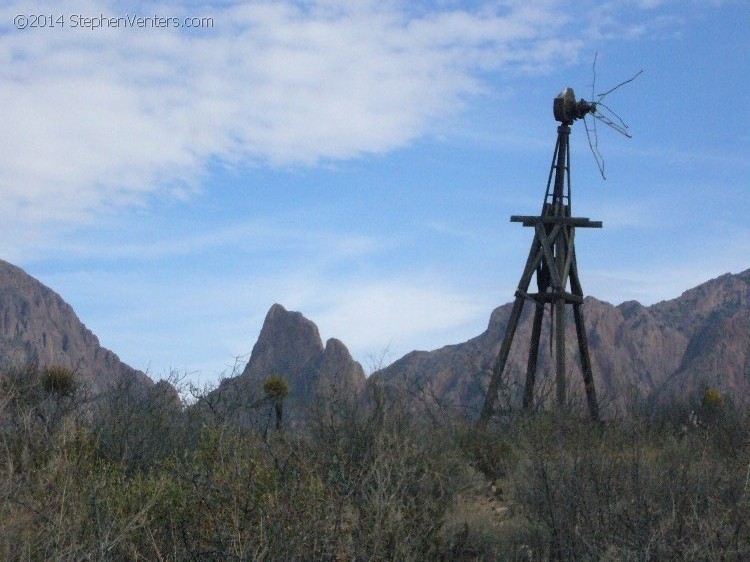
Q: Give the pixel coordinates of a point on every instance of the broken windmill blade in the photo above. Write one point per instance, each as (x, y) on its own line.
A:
(601, 112)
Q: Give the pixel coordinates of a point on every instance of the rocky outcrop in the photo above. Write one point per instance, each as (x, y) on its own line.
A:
(715, 319)
(37, 326)
(289, 346)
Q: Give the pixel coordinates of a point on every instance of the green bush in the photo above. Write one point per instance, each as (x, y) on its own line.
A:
(712, 400)
(275, 388)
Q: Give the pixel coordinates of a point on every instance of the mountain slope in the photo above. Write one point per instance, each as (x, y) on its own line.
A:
(37, 326)
(715, 318)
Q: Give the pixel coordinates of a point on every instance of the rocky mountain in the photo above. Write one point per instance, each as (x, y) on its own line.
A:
(37, 326)
(673, 349)
(715, 319)
(289, 345)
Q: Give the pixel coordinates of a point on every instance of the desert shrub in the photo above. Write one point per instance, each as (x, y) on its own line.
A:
(393, 479)
(31, 415)
(142, 477)
(58, 380)
(140, 427)
(236, 497)
(487, 451)
(275, 387)
(624, 492)
(712, 399)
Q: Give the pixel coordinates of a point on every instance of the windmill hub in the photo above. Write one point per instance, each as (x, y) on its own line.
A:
(567, 109)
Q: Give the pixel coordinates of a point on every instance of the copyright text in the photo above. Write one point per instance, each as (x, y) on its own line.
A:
(79, 21)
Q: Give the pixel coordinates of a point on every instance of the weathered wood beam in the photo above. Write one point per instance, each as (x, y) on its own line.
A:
(554, 274)
(581, 222)
(536, 332)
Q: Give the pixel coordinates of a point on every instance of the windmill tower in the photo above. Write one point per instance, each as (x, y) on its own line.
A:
(552, 259)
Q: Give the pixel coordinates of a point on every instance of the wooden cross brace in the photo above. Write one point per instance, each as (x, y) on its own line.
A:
(552, 258)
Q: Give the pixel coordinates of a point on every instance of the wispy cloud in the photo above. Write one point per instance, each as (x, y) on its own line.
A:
(401, 313)
(165, 323)
(248, 237)
(99, 118)
(613, 19)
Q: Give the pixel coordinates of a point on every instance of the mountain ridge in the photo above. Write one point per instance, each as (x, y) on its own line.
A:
(38, 327)
(675, 348)
(672, 349)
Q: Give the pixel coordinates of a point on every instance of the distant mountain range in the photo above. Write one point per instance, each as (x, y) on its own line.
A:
(673, 349)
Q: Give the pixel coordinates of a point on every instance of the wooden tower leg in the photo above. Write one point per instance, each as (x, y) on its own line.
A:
(499, 367)
(561, 257)
(583, 343)
(560, 351)
(510, 331)
(583, 349)
(536, 332)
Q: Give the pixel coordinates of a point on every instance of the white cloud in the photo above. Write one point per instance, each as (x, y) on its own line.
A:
(248, 237)
(96, 119)
(403, 314)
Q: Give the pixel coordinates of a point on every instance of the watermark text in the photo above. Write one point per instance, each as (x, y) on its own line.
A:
(102, 21)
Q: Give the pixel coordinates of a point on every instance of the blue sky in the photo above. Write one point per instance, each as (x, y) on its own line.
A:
(358, 161)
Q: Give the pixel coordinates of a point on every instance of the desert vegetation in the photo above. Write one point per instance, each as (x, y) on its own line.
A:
(144, 475)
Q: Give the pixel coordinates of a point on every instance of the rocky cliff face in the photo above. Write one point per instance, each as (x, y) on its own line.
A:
(289, 345)
(673, 349)
(37, 326)
(715, 320)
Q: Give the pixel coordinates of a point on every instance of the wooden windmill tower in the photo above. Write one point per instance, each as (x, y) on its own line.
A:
(552, 259)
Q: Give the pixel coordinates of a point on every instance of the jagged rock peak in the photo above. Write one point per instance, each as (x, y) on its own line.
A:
(287, 343)
(338, 367)
(629, 308)
(336, 348)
